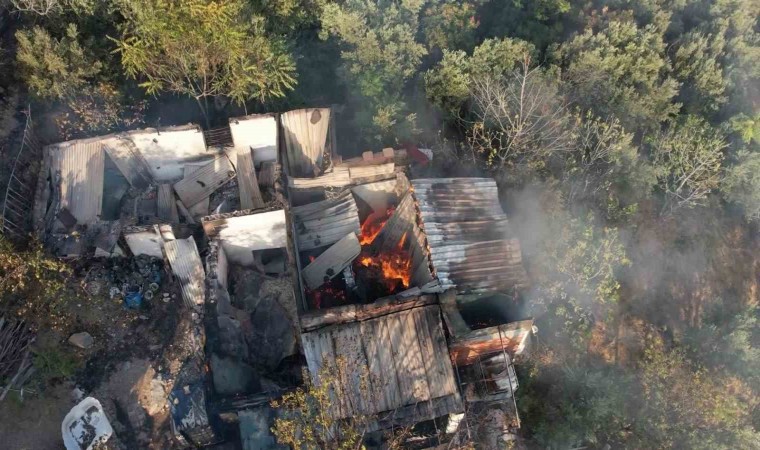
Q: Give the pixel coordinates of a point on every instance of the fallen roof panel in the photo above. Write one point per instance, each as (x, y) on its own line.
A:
(187, 267)
(331, 262)
(326, 222)
(167, 150)
(129, 161)
(201, 183)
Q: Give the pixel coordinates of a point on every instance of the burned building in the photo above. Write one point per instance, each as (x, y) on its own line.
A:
(289, 254)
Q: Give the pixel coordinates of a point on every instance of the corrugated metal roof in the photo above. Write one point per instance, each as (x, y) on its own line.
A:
(305, 138)
(326, 222)
(389, 362)
(468, 235)
(201, 183)
(187, 267)
(80, 165)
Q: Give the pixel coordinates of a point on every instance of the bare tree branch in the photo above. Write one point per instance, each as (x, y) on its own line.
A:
(518, 118)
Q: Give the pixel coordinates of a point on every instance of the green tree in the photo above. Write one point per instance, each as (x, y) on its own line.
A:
(287, 16)
(730, 342)
(202, 48)
(380, 55)
(732, 24)
(621, 71)
(688, 159)
(53, 7)
(67, 72)
(605, 167)
(450, 25)
(575, 265)
(696, 65)
(448, 84)
(687, 406)
(540, 22)
(567, 404)
(55, 69)
(518, 119)
(741, 184)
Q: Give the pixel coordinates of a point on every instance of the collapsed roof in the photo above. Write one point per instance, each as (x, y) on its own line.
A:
(446, 236)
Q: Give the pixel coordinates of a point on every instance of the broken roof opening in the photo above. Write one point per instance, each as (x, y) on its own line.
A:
(115, 186)
(360, 245)
(490, 310)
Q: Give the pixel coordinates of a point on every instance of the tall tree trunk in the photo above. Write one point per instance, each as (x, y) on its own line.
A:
(204, 111)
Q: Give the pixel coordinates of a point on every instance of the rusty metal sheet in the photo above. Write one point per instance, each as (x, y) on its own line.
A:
(468, 235)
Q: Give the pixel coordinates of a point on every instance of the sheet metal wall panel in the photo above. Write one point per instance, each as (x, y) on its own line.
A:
(167, 204)
(248, 185)
(305, 139)
(81, 169)
(129, 161)
(257, 132)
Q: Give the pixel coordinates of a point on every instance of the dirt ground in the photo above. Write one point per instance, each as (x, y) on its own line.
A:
(131, 368)
(35, 424)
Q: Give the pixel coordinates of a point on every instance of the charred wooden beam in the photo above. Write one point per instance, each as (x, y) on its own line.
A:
(454, 321)
(355, 313)
(248, 184)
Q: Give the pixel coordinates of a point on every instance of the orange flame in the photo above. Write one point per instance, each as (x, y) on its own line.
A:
(373, 225)
(395, 266)
(326, 295)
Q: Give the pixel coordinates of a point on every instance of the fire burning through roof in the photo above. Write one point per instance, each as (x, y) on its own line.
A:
(374, 224)
(392, 267)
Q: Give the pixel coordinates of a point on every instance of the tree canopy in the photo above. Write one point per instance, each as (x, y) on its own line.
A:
(202, 48)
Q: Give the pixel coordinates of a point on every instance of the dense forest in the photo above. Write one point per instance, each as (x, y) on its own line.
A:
(624, 135)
